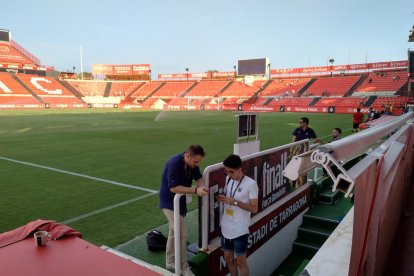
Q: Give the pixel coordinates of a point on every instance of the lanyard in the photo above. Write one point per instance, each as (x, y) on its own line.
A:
(232, 194)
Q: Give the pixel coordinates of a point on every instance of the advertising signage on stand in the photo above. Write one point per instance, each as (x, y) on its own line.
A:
(182, 76)
(8, 54)
(197, 76)
(121, 70)
(302, 109)
(223, 74)
(265, 229)
(338, 68)
(266, 168)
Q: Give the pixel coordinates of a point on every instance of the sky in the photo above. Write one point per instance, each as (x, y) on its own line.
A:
(209, 35)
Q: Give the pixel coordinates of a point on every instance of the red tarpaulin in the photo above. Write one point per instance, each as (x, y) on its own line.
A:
(19, 255)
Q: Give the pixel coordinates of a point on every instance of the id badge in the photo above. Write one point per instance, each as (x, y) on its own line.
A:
(229, 212)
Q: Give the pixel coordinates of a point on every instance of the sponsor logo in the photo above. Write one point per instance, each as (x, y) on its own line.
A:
(140, 67)
(358, 66)
(261, 108)
(11, 57)
(223, 74)
(399, 63)
(199, 75)
(282, 71)
(273, 181)
(306, 109)
(380, 65)
(340, 67)
(315, 69)
(122, 68)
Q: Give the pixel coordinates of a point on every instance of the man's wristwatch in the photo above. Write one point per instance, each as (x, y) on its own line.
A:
(235, 203)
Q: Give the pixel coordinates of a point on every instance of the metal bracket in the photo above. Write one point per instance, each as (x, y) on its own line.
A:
(342, 181)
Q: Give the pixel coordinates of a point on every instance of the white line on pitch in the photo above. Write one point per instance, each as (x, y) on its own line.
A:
(80, 175)
(102, 210)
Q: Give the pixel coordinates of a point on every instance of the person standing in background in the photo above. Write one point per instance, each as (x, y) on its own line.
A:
(240, 198)
(304, 132)
(357, 118)
(177, 178)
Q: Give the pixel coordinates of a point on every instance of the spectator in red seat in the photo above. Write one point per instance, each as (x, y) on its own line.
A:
(357, 118)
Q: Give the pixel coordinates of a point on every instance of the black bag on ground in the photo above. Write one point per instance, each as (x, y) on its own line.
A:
(156, 241)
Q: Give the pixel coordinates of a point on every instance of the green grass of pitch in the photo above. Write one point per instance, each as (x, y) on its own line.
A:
(124, 146)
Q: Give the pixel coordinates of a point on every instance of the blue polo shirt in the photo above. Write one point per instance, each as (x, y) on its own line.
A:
(302, 135)
(174, 174)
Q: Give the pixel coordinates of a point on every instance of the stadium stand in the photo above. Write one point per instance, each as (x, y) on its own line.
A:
(232, 101)
(148, 103)
(32, 58)
(394, 102)
(122, 89)
(291, 101)
(207, 88)
(383, 83)
(9, 86)
(262, 101)
(13, 101)
(279, 87)
(239, 89)
(252, 100)
(145, 90)
(173, 89)
(332, 86)
(13, 94)
(180, 103)
(9, 54)
(351, 102)
(89, 88)
(200, 102)
(49, 89)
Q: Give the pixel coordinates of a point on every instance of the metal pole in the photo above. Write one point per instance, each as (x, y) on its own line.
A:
(177, 236)
(81, 61)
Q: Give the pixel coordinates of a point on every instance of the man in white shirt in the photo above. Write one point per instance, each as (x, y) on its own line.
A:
(240, 198)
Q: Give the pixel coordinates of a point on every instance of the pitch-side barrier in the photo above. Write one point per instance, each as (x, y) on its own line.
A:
(331, 155)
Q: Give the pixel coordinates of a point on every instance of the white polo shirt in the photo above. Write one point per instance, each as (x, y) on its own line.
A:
(237, 224)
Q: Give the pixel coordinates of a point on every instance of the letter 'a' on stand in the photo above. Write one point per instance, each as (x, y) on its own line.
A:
(247, 134)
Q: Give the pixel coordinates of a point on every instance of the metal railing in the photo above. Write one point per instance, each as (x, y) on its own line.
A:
(25, 52)
(177, 234)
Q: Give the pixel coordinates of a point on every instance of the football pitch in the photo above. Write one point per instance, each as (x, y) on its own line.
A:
(99, 170)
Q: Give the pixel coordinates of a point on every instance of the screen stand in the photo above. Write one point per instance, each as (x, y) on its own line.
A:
(247, 148)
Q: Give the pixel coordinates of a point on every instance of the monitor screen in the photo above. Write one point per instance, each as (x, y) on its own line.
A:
(4, 35)
(247, 125)
(252, 67)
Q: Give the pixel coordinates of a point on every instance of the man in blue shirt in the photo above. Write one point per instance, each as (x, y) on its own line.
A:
(177, 178)
(304, 132)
